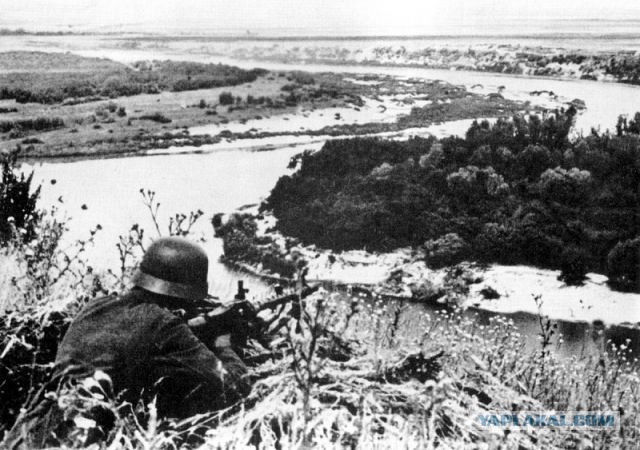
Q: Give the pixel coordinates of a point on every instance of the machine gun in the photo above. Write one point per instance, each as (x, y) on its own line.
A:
(240, 317)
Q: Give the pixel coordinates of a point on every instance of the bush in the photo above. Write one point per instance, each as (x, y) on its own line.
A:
(565, 186)
(18, 211)
(302, 78)
(156, 117)
(515, 205)
(574, 265)
(624, 265)
(445, 251)
(56, 77)
(30, 363)
(226, 98)
(37, 124)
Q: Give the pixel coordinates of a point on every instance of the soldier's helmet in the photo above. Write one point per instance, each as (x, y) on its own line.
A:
(175, 267)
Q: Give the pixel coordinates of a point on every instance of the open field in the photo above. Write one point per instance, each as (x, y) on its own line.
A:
(97, 125)
(36, 77)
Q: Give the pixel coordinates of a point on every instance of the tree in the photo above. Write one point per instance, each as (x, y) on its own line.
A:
(532, 161)
(565, 186)
(446, 250)
(624, 265)
(471, 183)
(574, 264)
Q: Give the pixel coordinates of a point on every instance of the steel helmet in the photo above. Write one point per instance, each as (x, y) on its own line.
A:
(175, 267)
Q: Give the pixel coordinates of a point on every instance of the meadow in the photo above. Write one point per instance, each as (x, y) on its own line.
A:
(64, 105)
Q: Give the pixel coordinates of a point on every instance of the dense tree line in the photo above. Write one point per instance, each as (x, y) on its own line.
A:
(118, 80)
(36, 124)
(515, 192)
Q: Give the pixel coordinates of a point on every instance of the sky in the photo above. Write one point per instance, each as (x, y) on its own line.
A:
(341, 17)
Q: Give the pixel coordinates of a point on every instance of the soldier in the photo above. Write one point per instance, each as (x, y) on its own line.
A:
(146, 350)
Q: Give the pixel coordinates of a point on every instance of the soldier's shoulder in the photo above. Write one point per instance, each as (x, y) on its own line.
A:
(139, 306)
(98, 303)
(151, 310)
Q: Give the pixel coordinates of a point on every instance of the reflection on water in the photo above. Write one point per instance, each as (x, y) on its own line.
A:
(569, 339)
(221, 181)
(578, 338)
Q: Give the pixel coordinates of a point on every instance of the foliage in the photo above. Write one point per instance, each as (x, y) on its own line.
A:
(446, 250)
(471, 105)
(569, 187)
(624, 264)
(71, 76)
(242, 244)
(18, 212)
(156, 117)
(517, 192)
(574, 264)
(346, 372)
(37, 124)
(357, 403)
(226, 98)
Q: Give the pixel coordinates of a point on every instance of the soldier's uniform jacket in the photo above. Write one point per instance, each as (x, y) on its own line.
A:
(145, 348)
(148, 352)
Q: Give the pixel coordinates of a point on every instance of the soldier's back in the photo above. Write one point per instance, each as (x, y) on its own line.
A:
(115, 335)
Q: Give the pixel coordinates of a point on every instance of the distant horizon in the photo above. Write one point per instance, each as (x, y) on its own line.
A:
(321, 17)
(300, 33)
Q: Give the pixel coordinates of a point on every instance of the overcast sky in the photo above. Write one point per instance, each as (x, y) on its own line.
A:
(331, 16)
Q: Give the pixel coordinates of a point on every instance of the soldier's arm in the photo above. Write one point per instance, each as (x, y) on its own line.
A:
(232, 364)
(191, 377)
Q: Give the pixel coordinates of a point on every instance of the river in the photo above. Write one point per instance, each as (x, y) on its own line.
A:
(605, 101)
(220, 178)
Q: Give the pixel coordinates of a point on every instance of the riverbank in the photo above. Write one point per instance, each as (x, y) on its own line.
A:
(403, 274)
(492, 56)
(288, 103)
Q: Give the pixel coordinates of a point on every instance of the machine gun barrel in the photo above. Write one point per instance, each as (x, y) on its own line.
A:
(272, 304)
(215, 312)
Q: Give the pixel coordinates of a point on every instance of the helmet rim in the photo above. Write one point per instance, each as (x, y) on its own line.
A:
(159, 286)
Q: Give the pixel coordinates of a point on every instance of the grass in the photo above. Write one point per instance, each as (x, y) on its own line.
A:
(343, 376)
(91, 128)
(37, 77)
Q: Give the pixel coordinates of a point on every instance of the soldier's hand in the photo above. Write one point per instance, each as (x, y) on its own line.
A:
(223, 341)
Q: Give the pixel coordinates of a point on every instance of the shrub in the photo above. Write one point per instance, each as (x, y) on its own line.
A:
(574, 264)
(565, 186)
(156, 117)
(82, 79)
(226, 98)
(18, 211)
(496, 243)
(472, 183)
(446, 250)
(370, 194)
(489, 293)
(624, 265)
(37, 124)
(302, 77)
(533, 160)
